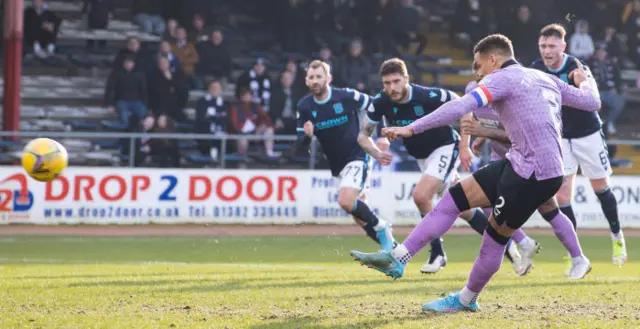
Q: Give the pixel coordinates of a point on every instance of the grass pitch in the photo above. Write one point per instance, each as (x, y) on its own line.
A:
(292, 282)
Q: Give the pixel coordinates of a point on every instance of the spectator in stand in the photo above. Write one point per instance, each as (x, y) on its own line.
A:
(299, 76)
(522, 32)
(224, 12)
(293, 27)
(171, 32)
(612, 44)
(97, 14)
(354, 69)
(211, 118)
(188, 56)
(168, 91)
(631, 26)
(283, 106)
(215, 58)
(324, 26)
(148, 15)
(126, 93)
(474, 19)
(131, 50)
(41, 28)
(581, 44)
(198, 30)
(165, 51)
(540, 11)
(607, 74)
(248, 118)
(165, 150)
(377, 17)
(604, 13)
(142, 145)
(326, 55)
(258, 82)
(346, 19)
(408, 26)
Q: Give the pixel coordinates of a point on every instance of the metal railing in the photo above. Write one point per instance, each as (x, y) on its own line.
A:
(132, 137)
(188, 136)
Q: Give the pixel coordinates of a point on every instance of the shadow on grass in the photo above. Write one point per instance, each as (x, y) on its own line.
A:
(497, 286)
(101, 276)
(211, 285)
(376, 321)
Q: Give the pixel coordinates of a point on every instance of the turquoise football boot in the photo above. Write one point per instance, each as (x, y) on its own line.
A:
(381, 261)
(449, 304)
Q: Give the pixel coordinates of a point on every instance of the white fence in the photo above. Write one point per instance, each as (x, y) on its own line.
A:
(178, 196)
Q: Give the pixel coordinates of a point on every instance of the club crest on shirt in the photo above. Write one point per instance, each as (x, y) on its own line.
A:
(337, 108)
(395, 110)
(419, 110)
(314, 113)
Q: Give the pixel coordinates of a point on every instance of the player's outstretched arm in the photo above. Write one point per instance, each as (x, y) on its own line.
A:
(446, 114)
(586, 97)
(369, 146)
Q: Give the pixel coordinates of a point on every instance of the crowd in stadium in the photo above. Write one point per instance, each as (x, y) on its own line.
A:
(149, 87)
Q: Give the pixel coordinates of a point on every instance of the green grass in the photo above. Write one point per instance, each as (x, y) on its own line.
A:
(294, 282)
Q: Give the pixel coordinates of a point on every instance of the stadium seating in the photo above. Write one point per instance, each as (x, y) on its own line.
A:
(66, 92)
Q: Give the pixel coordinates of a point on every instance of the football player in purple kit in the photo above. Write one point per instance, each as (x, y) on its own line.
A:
(401, 103)
(484, 123)
(528, 105)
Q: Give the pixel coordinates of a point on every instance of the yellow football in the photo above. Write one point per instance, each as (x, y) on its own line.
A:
(44, 159)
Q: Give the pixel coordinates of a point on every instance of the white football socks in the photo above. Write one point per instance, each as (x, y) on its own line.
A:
(578, 259)
(527, 243)
(401, 254)
(617, 236)
(467, 296)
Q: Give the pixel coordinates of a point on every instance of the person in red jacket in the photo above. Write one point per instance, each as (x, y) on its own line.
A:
(248, 118)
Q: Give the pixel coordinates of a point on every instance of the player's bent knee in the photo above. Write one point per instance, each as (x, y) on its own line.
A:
(548, 206)
(467, 214)
(564, 195)
(550, 214)
(600, 184)
(347, 198)
(423, 198)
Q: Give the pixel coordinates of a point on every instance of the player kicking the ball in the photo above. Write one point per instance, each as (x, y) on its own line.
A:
(332, 115)
(528, 105)
(436, 151)
(583, 143)
(484, 123)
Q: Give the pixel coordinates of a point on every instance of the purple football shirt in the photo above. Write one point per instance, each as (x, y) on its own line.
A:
(488, 118)
(528, 104)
